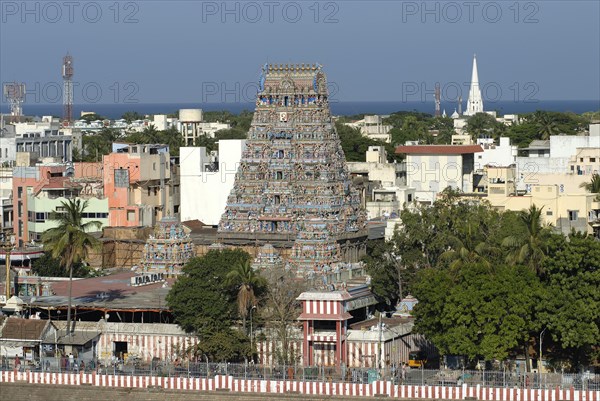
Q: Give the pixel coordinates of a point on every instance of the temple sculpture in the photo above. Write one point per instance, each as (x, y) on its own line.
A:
(292, 184)
(168, 249)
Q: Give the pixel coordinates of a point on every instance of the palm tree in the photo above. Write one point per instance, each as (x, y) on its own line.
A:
(593, 186)
(70, 240)
(545, 124)
(469, 250)
(528, 249)
(246, 280)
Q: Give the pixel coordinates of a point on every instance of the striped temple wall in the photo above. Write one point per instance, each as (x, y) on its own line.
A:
(320, 307)
(360, 353)
(378, 388)
(146, 346)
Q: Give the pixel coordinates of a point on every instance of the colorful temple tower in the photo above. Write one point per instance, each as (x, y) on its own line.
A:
(168, 249)
(292, 188)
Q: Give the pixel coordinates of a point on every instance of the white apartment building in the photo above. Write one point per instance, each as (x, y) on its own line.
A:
(432, 168)
(373, 128)
(207, 179)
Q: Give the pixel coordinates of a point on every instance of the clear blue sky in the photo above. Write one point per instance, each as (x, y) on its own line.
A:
(173, 51)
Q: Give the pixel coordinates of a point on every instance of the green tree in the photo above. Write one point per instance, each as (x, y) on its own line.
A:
(468, 248)
(131, 116)
(247, 281)
(483, 124)
(571, 306)
(70, 240)
(201, 299)
(529, 249)
(92, 117)
(479, 315)
(593, 186)
(47, 266)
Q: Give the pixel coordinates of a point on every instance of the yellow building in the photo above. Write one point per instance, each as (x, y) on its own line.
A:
(565, 210)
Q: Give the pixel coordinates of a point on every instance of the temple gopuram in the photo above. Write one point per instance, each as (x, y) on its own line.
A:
(167, 250)
(292, 188)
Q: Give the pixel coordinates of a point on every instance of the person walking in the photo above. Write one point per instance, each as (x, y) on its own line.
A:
(17, 363)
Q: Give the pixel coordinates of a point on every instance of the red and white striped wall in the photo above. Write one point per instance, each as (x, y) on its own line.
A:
(268, 350)
(146, 346)
(381, 388)
(321, 308)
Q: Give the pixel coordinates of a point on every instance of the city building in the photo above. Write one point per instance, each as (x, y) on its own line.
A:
(39, 190)
(192, 126)
(207, 179)
(384, 193)
(373, 128)
(141, 185)
(292, 188)
(6, 207)
(573, 154)
(47, 138)
(432, 168)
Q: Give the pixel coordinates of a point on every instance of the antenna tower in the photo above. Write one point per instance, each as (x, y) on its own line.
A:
(15, 95)
(67, 74)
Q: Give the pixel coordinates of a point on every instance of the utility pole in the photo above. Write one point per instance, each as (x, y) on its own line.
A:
(540, 367)
(7, 246)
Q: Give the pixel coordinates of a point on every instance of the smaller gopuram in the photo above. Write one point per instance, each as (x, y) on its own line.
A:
(267, 258)
(168, 249)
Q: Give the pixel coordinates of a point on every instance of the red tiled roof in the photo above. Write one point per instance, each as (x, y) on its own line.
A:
(439, 149)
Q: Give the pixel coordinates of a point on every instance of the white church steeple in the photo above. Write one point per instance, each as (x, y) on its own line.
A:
(475, 101)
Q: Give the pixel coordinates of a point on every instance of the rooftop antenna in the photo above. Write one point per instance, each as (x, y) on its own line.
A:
(15, 95)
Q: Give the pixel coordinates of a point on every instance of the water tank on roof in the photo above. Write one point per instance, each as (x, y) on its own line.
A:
(190, 115)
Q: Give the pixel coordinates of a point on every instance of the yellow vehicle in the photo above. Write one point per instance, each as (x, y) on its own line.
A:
(417, 359)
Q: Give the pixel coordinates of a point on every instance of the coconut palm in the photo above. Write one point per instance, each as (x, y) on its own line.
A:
(245, 278)
(530, 248)
(468, 250)
(545, 124)
(70, 240)
(593, 186)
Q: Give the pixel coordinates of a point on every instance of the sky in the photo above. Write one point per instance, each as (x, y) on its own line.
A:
(212, 51)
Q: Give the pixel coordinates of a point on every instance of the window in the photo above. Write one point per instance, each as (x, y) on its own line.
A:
(149, 191)
(573, 215)
(19, 192)
(131, 215)
(122, 178)
(409, 197)
(592, 160)
(548, 212)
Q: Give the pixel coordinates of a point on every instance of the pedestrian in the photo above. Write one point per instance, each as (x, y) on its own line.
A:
(403, 372)
(82, 366)
(47, 366)
(17, 363)
(71, 361)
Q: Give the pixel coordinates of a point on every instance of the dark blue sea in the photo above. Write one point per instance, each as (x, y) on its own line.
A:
(114, 111)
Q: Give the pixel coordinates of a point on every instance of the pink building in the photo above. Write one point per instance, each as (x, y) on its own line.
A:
(140, 185)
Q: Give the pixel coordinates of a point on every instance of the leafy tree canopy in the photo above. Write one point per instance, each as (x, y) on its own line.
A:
(47, 266)
(201, 299)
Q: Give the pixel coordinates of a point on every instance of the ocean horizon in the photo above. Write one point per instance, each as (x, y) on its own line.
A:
(342, 108)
